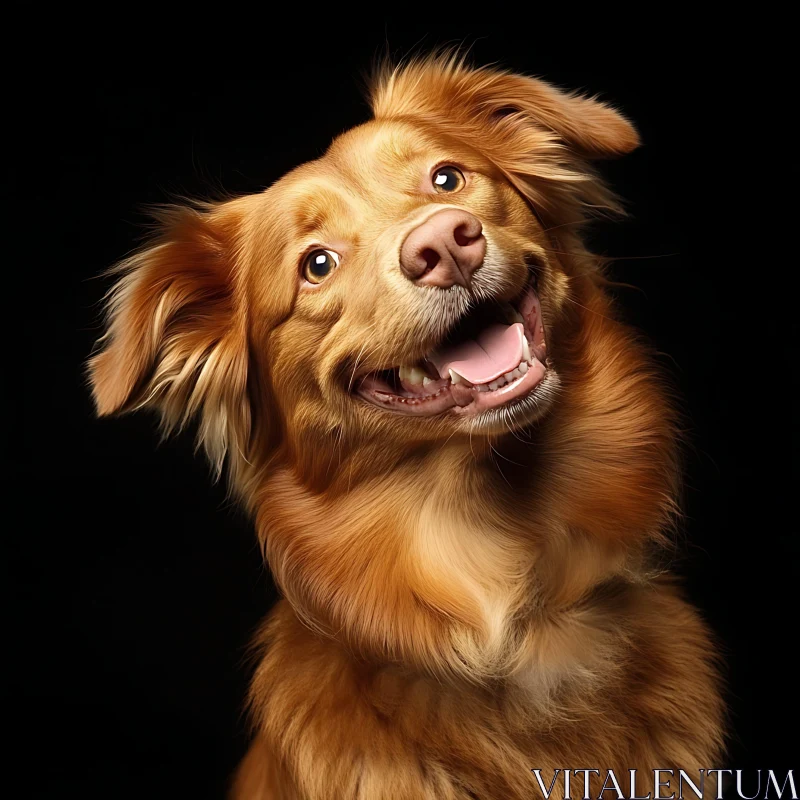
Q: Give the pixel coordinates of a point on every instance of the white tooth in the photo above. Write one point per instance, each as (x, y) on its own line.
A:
(509, 376)
(493, 385)
(526, 350)
(523, 367)
(483, 387)
(416, 375)
(456, 378)
(405, 373)
(516, 373)
(426, 381)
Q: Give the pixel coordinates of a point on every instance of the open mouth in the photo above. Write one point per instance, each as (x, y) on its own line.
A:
(494, 357)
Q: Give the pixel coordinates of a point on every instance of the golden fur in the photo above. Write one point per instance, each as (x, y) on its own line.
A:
(460, 605)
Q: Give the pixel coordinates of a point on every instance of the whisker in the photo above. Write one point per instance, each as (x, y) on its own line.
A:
(590, 310)
(608, 259)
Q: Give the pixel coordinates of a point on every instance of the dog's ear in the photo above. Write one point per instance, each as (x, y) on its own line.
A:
(176, 331)
(442, 89)
(592, 129)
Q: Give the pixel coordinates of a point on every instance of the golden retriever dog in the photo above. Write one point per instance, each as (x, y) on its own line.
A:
(462, 468)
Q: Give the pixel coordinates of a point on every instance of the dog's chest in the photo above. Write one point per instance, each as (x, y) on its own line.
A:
(471, 568)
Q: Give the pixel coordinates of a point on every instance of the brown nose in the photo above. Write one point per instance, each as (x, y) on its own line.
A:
(445, 249)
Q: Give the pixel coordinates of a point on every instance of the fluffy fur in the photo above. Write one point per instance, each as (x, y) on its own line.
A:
(461, 603)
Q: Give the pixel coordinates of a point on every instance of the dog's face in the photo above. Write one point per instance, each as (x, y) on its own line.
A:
(402, 288)
(414, 267)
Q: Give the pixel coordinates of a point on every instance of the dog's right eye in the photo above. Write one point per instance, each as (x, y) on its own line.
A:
(319, 264)
(448, 179)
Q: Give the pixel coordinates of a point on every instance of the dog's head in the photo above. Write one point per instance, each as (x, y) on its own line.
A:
(408, 286)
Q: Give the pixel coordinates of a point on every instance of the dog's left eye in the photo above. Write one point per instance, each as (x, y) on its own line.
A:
(319, 264)
(448, 179)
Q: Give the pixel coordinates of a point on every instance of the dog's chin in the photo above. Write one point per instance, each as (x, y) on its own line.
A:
(489, 375)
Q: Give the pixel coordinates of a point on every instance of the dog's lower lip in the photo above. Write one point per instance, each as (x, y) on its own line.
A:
(455, 394)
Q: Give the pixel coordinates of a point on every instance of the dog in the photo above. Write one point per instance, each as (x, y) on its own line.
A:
(463, 469)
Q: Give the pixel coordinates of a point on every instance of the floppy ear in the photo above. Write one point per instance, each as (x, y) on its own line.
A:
(442, 88)
(176, 331)
(590, 128)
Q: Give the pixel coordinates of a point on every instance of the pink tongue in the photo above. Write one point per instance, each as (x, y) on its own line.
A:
(496, 351)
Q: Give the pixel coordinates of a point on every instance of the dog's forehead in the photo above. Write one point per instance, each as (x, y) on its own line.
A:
(379, 144)
(390, 153)
(365, 169)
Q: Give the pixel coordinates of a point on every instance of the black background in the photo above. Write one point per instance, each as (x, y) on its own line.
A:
(135, 584)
